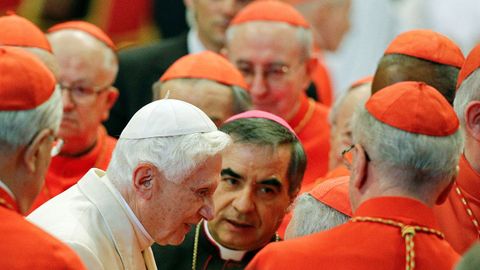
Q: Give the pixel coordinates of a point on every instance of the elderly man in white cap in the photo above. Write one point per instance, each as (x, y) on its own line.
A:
(163, 172)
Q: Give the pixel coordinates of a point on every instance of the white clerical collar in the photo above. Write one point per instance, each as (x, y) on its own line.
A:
(144, 238)
(7, 189)
(194, 44)
(225, 253)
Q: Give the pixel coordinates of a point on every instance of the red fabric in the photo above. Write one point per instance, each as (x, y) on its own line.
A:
(312, 127)
(364, 245)
(86, 27)
(25, 82)
(65, 172)
(18, 31)
(322, 81)
(7, 201)
(334, 193)
(269, 10)
(452, 216)
(414, 107)
(261, 114)
(427, 45)
(25, 246)
(9, 4)
(205, 65)
(471, 64)
(127, 16)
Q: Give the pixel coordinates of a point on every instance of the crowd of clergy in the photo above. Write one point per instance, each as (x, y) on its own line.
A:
(226, 148)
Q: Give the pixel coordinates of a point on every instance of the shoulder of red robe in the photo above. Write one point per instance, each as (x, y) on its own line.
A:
(25, 82)
(413, 107)
(427, 45)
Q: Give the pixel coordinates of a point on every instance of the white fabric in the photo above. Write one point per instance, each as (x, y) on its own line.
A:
(194, 45)
(91, 220)
(225, 253)
(7, 189)
(167, 117)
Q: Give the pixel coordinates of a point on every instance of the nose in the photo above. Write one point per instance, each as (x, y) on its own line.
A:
(244, 203)
(258, 86)
(207, 211)
(67, 101)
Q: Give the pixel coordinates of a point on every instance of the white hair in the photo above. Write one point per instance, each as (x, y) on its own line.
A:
(175, 156)
(468, 91)
(415, 162)
(312, 216)
(304, 35)
(20, 127)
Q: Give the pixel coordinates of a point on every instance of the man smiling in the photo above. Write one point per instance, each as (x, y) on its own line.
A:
(260, 177)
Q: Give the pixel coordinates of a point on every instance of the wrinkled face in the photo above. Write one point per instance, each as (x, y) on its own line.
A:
(214, 99)
(85, 86)
(273, 64)
(330, 28)
(175, 208)
(252, 196)
(341, 130)
(213, 16)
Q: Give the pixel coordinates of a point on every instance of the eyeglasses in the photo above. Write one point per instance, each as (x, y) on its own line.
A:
(345, 159)
(273, 74)
(57, 145)
(83, 95)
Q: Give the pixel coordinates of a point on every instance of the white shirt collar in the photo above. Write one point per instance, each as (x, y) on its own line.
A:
(225, 253)
(194, 44)
(144, 238)
(7, 189)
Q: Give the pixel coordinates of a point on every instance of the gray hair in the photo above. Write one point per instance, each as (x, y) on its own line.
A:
(175, 156)
(241, 99)
(468, 91)
(20, 127)
(416, 163)
(304, 35)
(312, 216)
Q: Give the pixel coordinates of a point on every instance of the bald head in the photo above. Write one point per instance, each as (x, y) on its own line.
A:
(81, 55)
(395, 68)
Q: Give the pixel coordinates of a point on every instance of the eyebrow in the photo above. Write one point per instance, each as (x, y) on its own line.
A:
(271, 182)
(230, 172)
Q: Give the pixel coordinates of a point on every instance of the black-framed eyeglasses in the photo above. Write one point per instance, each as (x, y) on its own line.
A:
(82, 94)
(346, 161)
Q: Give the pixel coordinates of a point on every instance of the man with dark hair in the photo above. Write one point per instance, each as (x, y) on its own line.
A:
(261, 175)
(421, 55)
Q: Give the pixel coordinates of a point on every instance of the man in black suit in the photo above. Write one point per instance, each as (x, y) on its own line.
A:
(141, 67)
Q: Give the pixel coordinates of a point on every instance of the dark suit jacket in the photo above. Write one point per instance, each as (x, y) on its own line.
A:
(208, 255)
(139, 68)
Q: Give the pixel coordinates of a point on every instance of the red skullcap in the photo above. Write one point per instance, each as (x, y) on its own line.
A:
(414, 107)
(25, 82)
(427, 45)
(18, 31)
(363, 80)
(471, 64)
(270, 10)
(85, 27)
(334, 193)
(264, 115)
(205, 65)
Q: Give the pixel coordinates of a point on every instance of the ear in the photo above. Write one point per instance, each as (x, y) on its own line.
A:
(144, 179)
(112, 96)
(34, 154)
(446, 191)
(360, 168)
(472, 119)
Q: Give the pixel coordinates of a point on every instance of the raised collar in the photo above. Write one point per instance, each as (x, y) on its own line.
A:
(468, 179)
(7, 199)
(398, 208)
(304, 114)
(194, 44)
(225, 253)
(71, 166)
